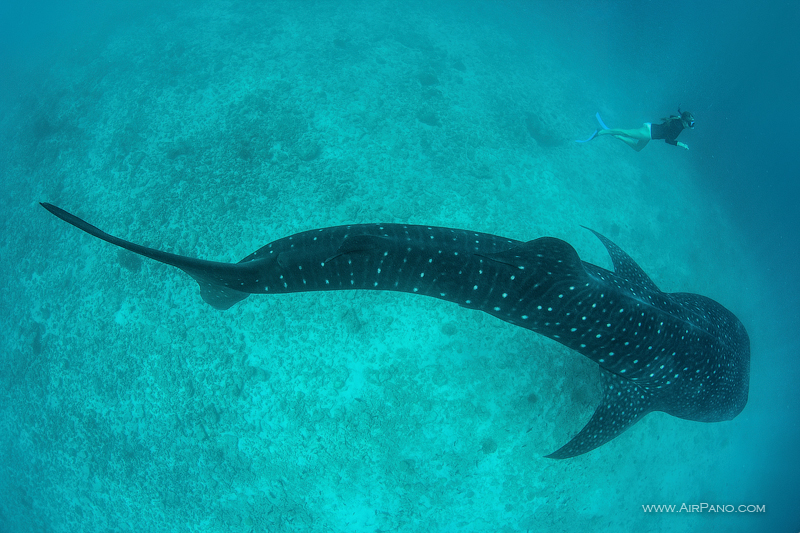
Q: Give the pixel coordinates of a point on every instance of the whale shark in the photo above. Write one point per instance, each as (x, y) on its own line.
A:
(679, 353)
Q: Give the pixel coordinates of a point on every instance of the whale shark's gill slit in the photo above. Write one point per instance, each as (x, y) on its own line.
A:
(680, 353)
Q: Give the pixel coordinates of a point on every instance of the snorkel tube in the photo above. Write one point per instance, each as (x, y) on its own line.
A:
(686, 117)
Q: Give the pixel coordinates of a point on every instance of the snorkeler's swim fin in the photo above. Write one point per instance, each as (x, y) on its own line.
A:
(602, 125)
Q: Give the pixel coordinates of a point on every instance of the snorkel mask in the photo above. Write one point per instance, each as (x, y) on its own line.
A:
(687, 118)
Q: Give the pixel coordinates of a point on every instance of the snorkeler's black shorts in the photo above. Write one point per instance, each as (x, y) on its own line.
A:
(668, 130)
(659, 131)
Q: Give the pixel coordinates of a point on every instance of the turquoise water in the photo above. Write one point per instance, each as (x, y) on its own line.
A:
(211, 128)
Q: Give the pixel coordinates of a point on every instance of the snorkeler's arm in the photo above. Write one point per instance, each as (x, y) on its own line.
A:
(673, 127)
(673, 142)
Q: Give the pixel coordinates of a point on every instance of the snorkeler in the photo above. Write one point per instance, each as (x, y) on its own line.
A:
(669, 129)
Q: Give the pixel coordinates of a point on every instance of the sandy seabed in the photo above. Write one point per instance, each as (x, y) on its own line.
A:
(130, 405)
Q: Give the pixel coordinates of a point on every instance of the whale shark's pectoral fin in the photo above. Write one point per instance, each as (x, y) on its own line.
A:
(623, 405)
(624, 265)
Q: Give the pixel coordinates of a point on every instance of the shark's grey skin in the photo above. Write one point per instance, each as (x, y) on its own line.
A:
(679, 353)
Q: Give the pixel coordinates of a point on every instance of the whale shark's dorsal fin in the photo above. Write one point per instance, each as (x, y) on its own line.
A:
(547, 252)
(624, 265)
(216, 295)
(622, 406)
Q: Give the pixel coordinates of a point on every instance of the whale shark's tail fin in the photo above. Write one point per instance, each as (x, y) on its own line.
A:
(216, 280)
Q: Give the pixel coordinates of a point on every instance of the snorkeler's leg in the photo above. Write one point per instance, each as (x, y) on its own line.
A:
(634, 143)
(635, 138)
(637, 134)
